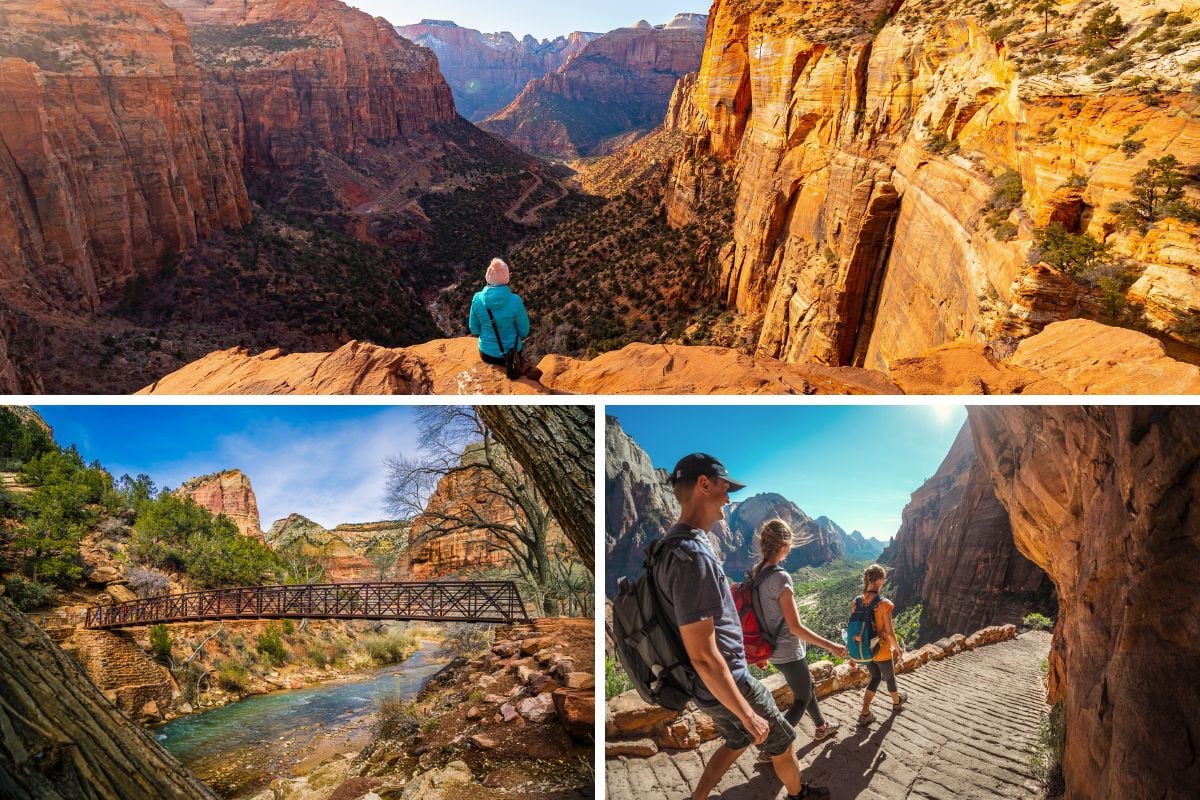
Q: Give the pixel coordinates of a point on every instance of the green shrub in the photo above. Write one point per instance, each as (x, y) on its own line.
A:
(467, 640)
(232, 676)
(616, 681)
(288, 627)
(1102, 27)
(27, 595)
(1073, 253)
(907, 626)
(881, 20)
(270, 644)
(1046, 760)
(940, 144)
(1037, 622)
(318, 656)
(390, 647)
(397, 718)
(161, 643)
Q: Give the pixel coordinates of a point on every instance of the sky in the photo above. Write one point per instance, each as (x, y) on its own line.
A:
(325, 462)
(544, 20)
(857, 465)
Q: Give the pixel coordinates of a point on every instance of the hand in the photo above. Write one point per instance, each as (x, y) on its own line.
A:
(757, 727)
(840, 651)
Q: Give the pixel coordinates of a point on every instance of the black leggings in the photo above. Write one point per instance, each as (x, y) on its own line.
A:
(881, 670)
(799, 679)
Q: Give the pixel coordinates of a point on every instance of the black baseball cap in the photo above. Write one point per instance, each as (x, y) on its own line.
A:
(697, 464)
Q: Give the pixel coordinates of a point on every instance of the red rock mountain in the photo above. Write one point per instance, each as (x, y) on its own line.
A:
(227, 493)
(618, 84)
(954, 553)
(356, 552)
(1104, 500)
(888, 184)
(487, 70)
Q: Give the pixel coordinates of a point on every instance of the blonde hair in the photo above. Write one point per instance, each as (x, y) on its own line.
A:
(772, 536)
(872, 574)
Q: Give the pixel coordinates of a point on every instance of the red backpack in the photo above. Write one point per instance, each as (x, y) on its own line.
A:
(759, 642)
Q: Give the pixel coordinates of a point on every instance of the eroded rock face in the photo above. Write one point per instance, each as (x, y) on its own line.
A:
(1103, 499)
(122, 670)
(111, 158)
(299, 534)
(954, 553)
(486, 71)
(618, 83)
(227, 493)
(865, 164)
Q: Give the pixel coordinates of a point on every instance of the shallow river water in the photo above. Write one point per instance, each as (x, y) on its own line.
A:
(239, 747)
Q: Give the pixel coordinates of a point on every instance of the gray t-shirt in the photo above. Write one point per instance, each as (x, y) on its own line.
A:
(788, 647)
(692, 587)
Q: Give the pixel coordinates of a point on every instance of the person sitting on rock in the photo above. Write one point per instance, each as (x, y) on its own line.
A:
(695, 598)
(499, 319)
(880, 666)
(778, 604)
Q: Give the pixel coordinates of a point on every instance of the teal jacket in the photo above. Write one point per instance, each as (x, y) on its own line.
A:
(511, 319)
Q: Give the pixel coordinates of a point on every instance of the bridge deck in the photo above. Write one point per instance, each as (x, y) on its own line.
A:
(967, 732)
(432, 601)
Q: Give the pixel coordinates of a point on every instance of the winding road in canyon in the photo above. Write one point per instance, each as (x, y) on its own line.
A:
(968, 732)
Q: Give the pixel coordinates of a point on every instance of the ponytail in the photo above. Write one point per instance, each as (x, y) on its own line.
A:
(772, 537)
(872, 574)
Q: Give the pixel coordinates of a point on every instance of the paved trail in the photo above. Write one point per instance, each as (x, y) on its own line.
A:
(967, 732)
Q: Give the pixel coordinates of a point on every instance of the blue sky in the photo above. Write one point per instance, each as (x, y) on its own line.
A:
(857, 465)
(541, 19)
(325, 462)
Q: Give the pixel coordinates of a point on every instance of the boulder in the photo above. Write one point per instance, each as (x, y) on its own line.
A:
(628, 714)
(537, 709)
(630, 748)
(576, 710)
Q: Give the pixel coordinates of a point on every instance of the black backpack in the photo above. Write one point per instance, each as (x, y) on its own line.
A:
(648, 645)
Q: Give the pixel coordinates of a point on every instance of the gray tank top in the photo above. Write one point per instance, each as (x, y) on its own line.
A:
(788, 647)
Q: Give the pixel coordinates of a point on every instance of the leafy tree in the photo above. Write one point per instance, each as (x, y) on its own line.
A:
(270, 644)
(21, 440)
(27, 595)
(1158, 191)
(1073, 253)
(136, 491)
(1048, 9)
(1102, 27)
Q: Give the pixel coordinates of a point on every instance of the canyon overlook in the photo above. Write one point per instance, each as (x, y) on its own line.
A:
(874, 186)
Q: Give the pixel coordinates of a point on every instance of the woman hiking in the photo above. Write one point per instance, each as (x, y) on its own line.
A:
(881, 665)
(507, 324)
(778, 605)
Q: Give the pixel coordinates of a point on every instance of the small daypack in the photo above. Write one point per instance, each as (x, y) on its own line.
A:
(648, 646)
(759, 642)
(862, 640)
(514, 361)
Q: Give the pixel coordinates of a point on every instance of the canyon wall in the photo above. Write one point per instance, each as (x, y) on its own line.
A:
(486, 71)
(867, 164)
(617, 85)
(1104, 500)
(954, 553)
(110, 157)
(227, 493)
(354, 552)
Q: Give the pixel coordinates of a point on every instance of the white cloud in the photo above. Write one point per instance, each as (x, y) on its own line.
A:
(331, 472)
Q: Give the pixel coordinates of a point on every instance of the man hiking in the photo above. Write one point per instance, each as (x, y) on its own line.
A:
(695, 598)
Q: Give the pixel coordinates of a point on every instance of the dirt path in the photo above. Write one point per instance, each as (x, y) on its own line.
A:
(967, 733)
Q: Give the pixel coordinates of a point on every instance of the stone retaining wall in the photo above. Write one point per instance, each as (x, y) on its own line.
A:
(636, 729)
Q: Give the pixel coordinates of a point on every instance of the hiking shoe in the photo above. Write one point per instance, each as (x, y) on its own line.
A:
(866, 719)
(903, 695)
(808, 792)
(826, 730)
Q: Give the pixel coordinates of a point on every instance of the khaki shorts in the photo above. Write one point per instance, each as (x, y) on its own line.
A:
(780, 735)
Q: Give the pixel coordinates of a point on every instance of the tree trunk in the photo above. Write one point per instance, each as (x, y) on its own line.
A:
(556, 445)
(62, 740)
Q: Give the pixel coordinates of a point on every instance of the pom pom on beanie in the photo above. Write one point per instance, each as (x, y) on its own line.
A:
(497, 273)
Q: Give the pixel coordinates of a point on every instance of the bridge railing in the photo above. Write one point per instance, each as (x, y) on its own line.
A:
(432, 601)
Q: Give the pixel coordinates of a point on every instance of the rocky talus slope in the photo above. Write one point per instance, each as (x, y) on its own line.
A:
(63, 738)
(1116, 362)
(486, 71)
(890, 182)
(228, 493)
(617, 84)
(1103, 500)
(967, 730)
(954, 552)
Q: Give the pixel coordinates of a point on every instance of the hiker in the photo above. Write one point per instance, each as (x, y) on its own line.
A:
(879, 609)
(695, 598)
(778, 604)
(499, 319)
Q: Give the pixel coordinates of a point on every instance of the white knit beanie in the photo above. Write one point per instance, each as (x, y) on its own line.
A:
(497, 273)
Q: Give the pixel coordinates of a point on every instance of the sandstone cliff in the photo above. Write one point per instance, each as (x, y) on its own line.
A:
(486, 71)
(356, 552)
(617, 84)
(227, 493)
(954, 553)
(111, 158)
(872, 221)
(1072, 357)
(1103, 499)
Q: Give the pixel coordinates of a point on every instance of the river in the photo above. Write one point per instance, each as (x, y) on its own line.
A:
(239, 747)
